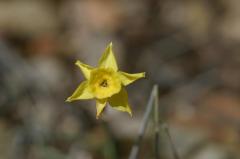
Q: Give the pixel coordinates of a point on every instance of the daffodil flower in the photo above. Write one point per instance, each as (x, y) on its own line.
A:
(105, 83)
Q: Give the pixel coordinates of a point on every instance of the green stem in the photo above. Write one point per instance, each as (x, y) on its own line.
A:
(156, 121)
(135, 149)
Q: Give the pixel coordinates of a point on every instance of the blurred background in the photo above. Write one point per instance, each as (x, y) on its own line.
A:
(190, 48)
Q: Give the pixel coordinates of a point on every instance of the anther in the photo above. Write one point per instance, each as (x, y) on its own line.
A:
(104, 83)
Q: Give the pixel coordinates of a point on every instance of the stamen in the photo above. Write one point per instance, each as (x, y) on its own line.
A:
(104, 83)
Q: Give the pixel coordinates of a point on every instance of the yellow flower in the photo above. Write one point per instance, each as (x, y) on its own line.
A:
(105, 83)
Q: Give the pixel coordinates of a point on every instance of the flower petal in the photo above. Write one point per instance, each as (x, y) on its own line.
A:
(82, 92)
(120, 101)
(100, 105)
(86, 69)
(108, 60)
(127, 78)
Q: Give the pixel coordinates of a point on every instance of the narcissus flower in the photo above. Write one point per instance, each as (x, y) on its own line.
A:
(105, 83)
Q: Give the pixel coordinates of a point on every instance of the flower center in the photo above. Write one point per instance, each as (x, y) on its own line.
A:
(104, 83)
